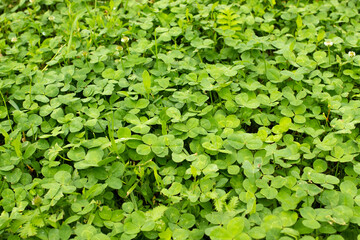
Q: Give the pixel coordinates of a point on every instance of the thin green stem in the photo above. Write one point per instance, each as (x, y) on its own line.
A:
(2, 185)
(337, 169)
(7, 112)
(339, 72)
(263, 55)
(175, 45)
(64, 158)
(46, 66)
(127, 48)
(199, 57)
(133, 200)
(211, 98)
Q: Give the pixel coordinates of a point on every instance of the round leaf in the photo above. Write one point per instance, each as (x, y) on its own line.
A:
(143, 149)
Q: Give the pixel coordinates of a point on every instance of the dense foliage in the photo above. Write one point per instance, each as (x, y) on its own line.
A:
(186, 119)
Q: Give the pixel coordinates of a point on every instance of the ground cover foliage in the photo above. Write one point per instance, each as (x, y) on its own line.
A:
(179, 119)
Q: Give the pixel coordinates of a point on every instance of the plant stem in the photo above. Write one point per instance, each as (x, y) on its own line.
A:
(199, 57)
(7, 112)
(337, 168)
(263, 55)
(211, 98)
(339, 72)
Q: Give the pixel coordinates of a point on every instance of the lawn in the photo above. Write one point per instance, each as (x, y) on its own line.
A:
(179, 119)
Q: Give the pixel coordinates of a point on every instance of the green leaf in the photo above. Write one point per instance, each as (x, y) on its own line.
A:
(237, 141)
(28, 230)
(105, 213)
(320, 57)
(235, 226)
(257, 233)
(247, 100)
(76, 124)
(114, 182)
(308, 213)
(62, 177)
(149, 225)
(172, 214)
(165, 235)
(273, 74)
(299, 23)
(284, 125)
(173, 113)
(320, 165)
(320, 36)
(147, 81)
(123, 133)
(100, 236)
(143, 149)
(220, 233)
(128, 207)
(187, 220)
(95, 190)
(311, 223)
(85, 231)
(17, 145)
(233, 169)
(65, 231)
(92, 112)
(30, 150)
(180, 234)
(173, 190)
(68, 70)
(92, 158)
(269, 193)
(336, 237)
(76, 154)
(8, 200)
(176, 145)
(271, 222)
(108, 73)
(254, 143)
(349, 187)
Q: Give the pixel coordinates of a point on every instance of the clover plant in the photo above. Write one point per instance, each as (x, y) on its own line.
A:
(187, 119)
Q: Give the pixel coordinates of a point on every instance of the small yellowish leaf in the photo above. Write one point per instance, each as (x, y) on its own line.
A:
(147, 81)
